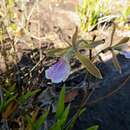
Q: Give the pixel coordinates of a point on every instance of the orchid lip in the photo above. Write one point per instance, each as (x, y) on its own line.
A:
(59, 71)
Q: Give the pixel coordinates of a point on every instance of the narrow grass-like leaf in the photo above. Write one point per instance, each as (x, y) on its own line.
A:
(9, 100)
(30, 122)
(93, 128)
(60, 122)
(8, 97)
(56, 126)
(65, 115)
(5, 103)
(74, 119)
(41, 120)
(10, 109)
(91, 68)
(27, 95)
(60, 106)
(36, 125)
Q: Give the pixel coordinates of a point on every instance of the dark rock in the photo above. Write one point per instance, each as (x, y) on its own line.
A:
(113, 112)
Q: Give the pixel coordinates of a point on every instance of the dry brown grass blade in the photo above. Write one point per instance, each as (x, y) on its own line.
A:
(10, 110)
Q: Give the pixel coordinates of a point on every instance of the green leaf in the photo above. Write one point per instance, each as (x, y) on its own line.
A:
(74, 37)
(115, 62)
(121, 45)
(9, 100)
(41, 120)
(4, 103)
(56, 51)
(93, 128)
(13, 26)
(60, 106)
(90, 67)
(56, 126)
(27, 95)
(10, 3)
(65, 115)
(123, 40)
(74, 119)
(60, 122)
(112, 34)
(8, 96)
(61, 114)
(29, 121)
(36, 125)
(90, 44)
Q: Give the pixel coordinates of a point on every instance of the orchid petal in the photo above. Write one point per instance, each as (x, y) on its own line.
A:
(59, 71)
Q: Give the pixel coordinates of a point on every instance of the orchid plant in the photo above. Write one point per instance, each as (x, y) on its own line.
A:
(61, 70)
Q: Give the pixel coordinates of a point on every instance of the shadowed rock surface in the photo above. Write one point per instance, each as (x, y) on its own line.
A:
(112, 113)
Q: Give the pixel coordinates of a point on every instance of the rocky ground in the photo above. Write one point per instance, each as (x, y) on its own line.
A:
(58, 21)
